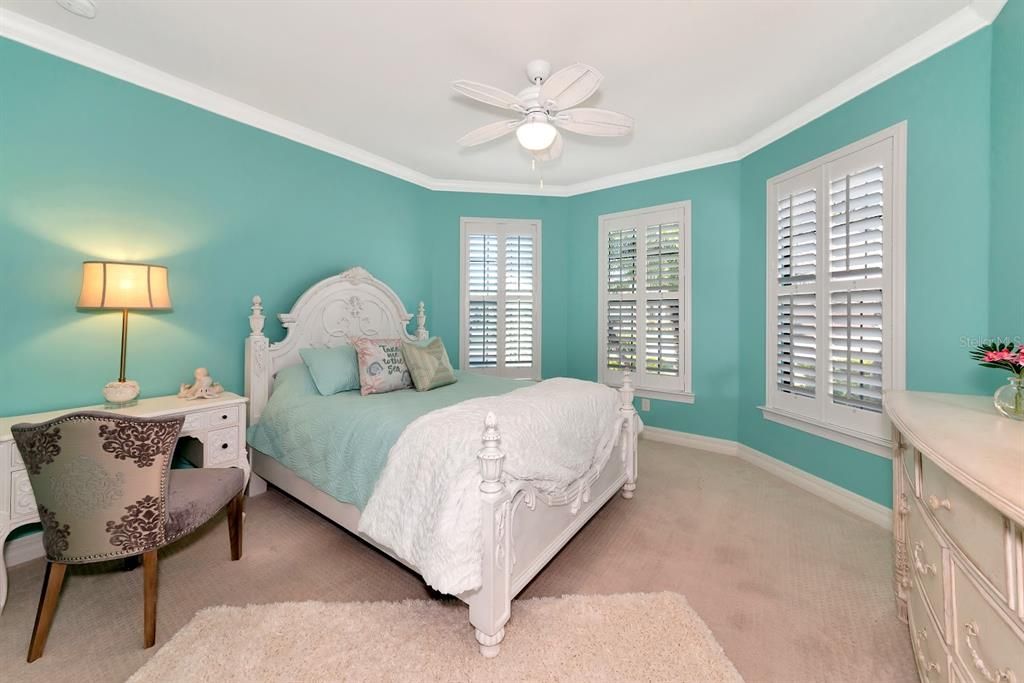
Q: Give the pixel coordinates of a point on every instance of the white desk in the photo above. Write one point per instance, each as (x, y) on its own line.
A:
(216, 428)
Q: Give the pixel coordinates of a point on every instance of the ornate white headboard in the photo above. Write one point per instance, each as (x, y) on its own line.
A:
(332, 312)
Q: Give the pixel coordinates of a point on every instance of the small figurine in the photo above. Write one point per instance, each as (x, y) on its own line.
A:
(204, 387)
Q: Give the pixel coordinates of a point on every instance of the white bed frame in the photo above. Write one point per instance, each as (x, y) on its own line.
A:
(522, 528)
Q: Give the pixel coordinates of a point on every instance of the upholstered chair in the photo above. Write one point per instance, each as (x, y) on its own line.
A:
(105, 490)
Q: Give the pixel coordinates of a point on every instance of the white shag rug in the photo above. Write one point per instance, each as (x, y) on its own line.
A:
(627, 637)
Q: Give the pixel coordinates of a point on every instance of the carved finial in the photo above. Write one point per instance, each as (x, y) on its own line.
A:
(626, 392)
(491, 456)
(257, 319)
(421, 322)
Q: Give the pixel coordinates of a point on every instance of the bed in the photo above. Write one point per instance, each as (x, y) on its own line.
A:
(522, 524)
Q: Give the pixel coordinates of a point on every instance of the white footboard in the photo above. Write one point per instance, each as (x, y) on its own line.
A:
(523, 530)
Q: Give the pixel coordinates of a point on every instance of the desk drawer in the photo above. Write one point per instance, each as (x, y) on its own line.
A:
(222, 447)
(977, 528)
(228, 415)
(10, 449)
(987, 645)
(23, 503)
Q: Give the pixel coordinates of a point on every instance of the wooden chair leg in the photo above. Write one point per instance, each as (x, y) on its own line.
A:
(149, 568)
(236, 509)
(52, 581)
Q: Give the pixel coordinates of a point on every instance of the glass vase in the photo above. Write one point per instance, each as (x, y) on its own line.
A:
(1009, 398)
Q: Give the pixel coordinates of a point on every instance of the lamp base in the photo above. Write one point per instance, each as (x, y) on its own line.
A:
(120, 394)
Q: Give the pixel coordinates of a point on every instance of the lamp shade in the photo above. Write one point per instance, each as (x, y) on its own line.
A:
(113, 284)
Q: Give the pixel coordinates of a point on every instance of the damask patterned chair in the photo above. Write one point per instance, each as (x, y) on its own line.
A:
(105, 490)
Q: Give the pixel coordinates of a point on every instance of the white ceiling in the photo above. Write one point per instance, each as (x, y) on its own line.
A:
(698, 77)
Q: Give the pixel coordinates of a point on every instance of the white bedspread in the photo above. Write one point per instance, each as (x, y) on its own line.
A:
(426, 504)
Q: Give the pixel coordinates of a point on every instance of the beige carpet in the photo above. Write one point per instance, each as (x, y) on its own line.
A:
(648, 637)
(795, 589)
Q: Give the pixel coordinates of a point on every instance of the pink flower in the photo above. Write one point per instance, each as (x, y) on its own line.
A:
(995, 356)
(1020, 357)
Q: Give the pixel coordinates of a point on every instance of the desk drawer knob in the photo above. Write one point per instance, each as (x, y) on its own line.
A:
(224, 446)
(935, 504)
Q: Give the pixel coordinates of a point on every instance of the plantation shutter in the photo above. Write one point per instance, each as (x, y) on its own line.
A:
(482, 280)
(519, 336)
(661, 305)
(796, 309)
(501, 297)
(622, 274)
(855, 255)
(833, 295)
(644, 304)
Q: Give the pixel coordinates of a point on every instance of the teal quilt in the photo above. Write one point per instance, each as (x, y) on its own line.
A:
(340, 443)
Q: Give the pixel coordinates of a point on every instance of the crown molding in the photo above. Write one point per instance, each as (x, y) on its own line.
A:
(43, 37)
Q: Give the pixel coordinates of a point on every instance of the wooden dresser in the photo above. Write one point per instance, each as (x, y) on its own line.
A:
(958, 516)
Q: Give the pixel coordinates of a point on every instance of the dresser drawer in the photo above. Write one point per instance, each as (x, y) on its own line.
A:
(23, 503)
(978, 529)
(221, 447)
(933, 662)
(987, 645)
(928, 558)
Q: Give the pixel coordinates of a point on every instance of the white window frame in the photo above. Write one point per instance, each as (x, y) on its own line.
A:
(502, 227)
(819, 415)
(681, 390)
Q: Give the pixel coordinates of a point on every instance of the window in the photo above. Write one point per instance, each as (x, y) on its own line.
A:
(644, 300)
(500, 328)
(835, 291)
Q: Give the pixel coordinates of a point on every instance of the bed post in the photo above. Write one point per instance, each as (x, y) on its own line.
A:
(421, 322)
(257, 363)
(491, 606)
(629, 434)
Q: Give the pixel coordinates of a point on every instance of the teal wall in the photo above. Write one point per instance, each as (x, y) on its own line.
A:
(1007, 243)
(715, 233)
(945, 101)
(92, 167)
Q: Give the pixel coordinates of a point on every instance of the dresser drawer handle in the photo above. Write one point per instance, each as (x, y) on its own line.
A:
(223, 417)
(922, 568)
(1001, 676)
(224, 446)
(934, 503)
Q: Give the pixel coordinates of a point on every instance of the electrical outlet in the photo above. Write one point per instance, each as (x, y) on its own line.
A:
(645, 404)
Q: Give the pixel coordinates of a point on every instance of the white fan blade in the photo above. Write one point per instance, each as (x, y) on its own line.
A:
(595, 122)
(552, 152)
(492, 131)
(570, 86)
(488, 95)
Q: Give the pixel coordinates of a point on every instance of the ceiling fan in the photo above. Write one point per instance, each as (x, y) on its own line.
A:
(544, 105)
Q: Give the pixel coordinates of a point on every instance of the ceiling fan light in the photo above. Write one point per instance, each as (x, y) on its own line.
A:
(536, 135)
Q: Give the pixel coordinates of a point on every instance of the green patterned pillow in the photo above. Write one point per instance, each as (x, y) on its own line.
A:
(428, 364)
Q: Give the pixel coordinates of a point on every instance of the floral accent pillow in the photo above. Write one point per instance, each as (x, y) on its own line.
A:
(381, 366)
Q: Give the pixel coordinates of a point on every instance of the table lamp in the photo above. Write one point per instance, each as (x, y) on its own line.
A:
(117, 285)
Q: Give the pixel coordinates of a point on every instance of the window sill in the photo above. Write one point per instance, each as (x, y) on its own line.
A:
(674, 396)
(850, 437)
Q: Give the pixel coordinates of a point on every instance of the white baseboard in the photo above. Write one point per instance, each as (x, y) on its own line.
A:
(697, 441)
(837, 495)
(23, 549)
